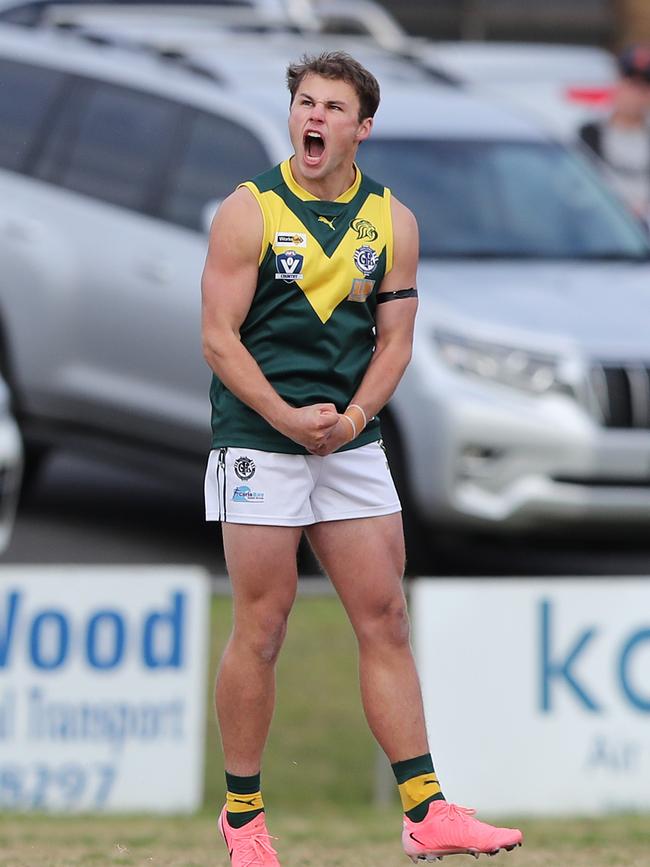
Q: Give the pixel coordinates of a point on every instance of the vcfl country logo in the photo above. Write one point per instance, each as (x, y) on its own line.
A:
(288, 266)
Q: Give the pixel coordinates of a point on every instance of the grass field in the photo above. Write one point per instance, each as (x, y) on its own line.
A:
(364, 838)
(319, 752)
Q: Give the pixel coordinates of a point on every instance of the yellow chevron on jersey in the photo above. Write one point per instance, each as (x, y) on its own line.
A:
(345, 240)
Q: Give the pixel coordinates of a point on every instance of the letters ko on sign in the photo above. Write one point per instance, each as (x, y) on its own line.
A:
(564, 668)
(104, 638)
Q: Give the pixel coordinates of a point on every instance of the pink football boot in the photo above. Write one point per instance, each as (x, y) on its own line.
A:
(249, 846)
(451, 830)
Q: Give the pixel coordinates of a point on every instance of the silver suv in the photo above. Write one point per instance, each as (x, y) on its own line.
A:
(528, 397)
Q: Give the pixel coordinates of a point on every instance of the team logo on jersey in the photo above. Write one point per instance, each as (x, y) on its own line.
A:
(365, 258)
(290, 239)
(244, 468)
(288, 266)
(361, 289)
(365, 230)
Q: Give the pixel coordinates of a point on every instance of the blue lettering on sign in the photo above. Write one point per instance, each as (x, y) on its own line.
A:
(60, 640)
(7, 628)
(562, 669)
(49, 635)
(112, 659)
(633, 642)
(155, 625)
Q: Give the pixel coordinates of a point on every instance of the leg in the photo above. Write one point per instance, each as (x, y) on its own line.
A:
(261, 562)
(364, 558)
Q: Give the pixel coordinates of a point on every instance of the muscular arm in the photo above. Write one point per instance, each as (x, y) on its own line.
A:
(395, 322)
(228, 286)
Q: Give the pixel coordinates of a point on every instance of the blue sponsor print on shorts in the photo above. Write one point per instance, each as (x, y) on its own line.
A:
(243, 494)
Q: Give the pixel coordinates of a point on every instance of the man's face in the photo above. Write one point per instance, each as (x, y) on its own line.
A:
(324, 126)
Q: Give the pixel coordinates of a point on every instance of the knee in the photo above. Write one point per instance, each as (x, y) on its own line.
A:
(263, 635)
(386, 623)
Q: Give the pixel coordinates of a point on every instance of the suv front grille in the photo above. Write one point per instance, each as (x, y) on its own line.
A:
(623, 394)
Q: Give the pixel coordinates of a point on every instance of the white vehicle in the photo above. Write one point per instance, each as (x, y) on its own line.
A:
(527, 401)
(11, 456)
(562, 86)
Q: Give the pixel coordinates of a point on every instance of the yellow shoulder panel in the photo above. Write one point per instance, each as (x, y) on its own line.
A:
(259, 197)
(388, 217)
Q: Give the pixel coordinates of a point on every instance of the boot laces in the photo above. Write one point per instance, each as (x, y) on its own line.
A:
(455, 811)
(258, 845)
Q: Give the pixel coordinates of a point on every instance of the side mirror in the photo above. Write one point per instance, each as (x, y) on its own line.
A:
(208, 211)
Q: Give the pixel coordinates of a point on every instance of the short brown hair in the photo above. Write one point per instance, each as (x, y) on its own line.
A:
(338, 66)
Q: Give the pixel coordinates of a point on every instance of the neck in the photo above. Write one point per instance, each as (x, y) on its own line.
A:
(328, 188)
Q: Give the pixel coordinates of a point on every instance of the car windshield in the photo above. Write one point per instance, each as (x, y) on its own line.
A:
(499, 199)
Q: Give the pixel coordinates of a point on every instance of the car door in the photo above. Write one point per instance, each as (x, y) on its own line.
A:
(130, 172)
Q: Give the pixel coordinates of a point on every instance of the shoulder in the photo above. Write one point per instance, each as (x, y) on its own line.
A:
(238, 227)
(403, 218)
(238, 207)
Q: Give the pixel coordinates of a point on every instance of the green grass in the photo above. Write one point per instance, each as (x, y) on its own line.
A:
(361, 837)
(318, 776)
(318, 732)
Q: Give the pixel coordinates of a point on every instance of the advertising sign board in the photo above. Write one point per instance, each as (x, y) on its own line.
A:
(102, 687)
(537, 692)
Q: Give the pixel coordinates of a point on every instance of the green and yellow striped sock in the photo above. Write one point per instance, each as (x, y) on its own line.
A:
(243, 799)
(418, 785)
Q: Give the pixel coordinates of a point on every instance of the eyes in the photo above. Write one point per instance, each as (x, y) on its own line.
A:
(332, 106)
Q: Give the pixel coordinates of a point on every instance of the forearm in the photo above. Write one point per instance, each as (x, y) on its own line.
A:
(242, 376)
(382, 377)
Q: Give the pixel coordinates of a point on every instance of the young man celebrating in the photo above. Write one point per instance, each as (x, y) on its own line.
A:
(309, 304)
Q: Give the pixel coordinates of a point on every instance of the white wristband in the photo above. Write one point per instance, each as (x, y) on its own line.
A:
(361, 410)
(354, 427)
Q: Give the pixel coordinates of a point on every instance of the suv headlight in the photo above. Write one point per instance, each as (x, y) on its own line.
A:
(534, 372)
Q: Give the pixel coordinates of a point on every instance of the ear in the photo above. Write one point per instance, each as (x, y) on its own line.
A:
(364, 130)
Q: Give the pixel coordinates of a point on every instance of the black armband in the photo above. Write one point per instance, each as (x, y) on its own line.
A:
(396, 295)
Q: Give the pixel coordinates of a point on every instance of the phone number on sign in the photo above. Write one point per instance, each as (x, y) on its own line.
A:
(67, 786)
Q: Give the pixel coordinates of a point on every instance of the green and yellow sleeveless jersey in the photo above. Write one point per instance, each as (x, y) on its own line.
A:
(310, 326)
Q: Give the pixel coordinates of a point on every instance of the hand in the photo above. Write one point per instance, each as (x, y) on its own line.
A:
(310, 426)
(338, 436)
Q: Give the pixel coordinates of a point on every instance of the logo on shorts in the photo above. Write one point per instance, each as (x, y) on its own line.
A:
(365, 258)
(288, 266)
(245, 468)
(243, 494)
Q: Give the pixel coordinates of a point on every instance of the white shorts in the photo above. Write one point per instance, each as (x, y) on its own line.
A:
(248, 486)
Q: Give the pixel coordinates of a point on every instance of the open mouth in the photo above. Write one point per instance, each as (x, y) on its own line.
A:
(314, 145)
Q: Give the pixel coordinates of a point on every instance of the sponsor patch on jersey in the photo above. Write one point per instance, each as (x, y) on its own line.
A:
(365, 258)
(243, 494)
(364, 229)
(361, 289)
(244, 468)
(288, 266)
(290, 239)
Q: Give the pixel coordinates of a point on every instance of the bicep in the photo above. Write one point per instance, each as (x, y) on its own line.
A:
(231, 266)
(403, 273)
(395, 319)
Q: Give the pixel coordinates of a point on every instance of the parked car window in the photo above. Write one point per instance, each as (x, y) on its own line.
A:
(27, 93)
(117, 150)
(504, 199)
(218, 155)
